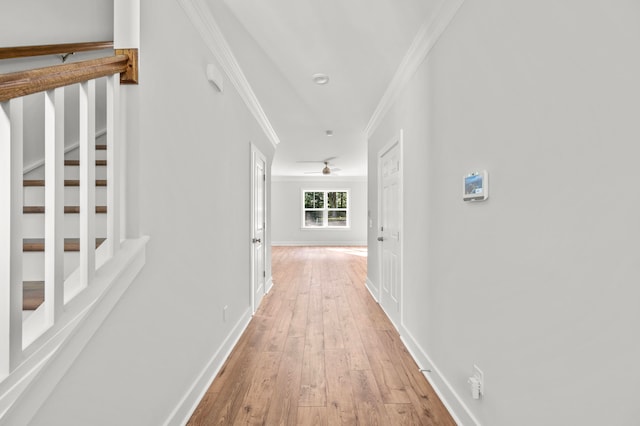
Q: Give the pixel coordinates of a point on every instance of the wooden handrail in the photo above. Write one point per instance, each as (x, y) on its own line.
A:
(52, 49)
(24, 83)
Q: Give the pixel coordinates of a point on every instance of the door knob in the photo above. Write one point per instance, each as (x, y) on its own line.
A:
(256, 240)
(380, 239)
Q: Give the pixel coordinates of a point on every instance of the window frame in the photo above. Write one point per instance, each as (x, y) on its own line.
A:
(325, 209)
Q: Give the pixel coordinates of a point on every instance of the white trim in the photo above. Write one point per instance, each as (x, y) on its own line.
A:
(372, 289)
(269, 285)
(449, 397)
(189, 402)
(423, 42)
(24, 391)
(332, 179)
(319, 243)
(202, 19)
(31, 167)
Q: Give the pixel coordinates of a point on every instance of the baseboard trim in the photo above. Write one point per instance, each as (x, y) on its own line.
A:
(268, 285)
(373, 290)
(319, 243)
(449, 397)
(189, 402)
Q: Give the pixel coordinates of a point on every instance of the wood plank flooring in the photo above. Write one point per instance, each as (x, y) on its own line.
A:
(320, 351)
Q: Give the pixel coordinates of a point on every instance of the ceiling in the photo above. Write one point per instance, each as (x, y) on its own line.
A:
(281, 44)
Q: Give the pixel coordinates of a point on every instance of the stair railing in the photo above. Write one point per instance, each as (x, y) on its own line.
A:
(52, 81)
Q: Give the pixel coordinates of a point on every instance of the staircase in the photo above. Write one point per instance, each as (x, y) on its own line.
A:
(33, 223)
(44, 327)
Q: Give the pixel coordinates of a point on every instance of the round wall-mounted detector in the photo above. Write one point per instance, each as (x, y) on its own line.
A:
(320, 78)
(329, 132)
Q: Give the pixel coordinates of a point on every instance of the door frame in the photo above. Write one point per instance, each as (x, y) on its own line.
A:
(398, 139)
(257, 155)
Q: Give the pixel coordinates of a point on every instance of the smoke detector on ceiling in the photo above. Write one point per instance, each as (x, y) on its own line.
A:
(320, 79)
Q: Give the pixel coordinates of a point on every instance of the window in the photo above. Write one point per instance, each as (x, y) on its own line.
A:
(325, 209)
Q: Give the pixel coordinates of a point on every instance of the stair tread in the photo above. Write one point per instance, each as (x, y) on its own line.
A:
(77, 162)
(32, 295)
(67, 209)
(70, 244)
(67, 182)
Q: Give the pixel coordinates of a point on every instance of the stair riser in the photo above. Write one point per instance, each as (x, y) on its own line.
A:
(33, 225)
(34, 196)
(101, 154)
(33, 265)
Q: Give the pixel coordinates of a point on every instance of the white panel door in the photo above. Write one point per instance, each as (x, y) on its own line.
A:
(389, 232)
(258, 224)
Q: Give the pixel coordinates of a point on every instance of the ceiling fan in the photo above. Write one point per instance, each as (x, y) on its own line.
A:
(326, 170)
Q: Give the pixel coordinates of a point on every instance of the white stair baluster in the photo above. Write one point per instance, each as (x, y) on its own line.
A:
(87, 182)
(113, 164)
(54, 205)
(11, 145)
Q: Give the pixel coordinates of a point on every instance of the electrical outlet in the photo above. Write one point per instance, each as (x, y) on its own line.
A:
(479, 375)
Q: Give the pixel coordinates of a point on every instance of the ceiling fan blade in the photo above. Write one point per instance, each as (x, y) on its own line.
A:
(326, 160)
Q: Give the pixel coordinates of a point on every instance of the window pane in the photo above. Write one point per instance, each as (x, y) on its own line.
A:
(337, 200)
(313, 200)
(331, 200)
(313, 218)
(308, 200)
(337, 218)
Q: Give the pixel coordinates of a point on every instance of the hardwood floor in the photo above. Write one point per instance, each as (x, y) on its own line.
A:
(320, 351)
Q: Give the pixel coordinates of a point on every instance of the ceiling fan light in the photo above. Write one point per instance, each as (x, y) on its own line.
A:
(326, 170)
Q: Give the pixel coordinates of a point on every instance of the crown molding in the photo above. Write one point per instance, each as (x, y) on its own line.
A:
(422, 44)
(200, 15)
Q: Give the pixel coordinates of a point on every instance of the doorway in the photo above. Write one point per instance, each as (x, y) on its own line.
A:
(390, 230)
(258, 226)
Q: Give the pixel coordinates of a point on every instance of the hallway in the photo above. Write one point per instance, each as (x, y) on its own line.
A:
(320, 351)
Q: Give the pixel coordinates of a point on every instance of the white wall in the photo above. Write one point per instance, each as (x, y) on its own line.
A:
(286, 205)
(193, 184)
(538, 285)
(34, 22)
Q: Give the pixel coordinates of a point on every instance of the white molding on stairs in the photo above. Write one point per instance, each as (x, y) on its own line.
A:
(31, 167)
(46, 362)
(200, 15)
(189, 402)
(422, 44)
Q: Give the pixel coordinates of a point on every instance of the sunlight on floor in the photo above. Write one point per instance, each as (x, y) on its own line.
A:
(356, 251)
